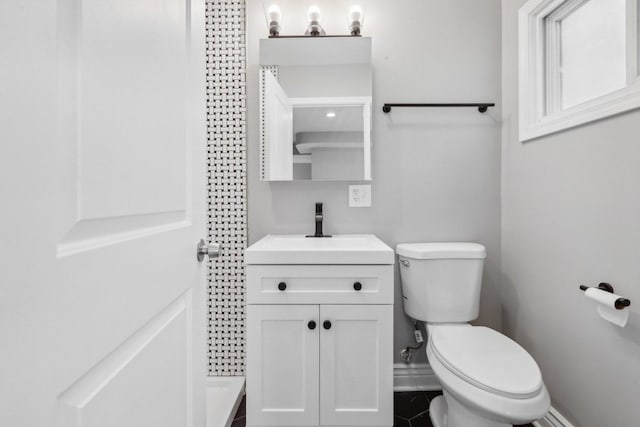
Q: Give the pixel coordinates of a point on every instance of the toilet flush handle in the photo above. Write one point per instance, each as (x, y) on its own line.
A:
(405, 263)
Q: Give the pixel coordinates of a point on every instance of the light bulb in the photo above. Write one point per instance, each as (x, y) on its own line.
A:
(313, 15)
(274, 15)
(355, 13)
(355, 20)
(314, 29)
(331, 114)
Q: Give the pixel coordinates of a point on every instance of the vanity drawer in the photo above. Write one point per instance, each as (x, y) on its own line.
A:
(320, 284)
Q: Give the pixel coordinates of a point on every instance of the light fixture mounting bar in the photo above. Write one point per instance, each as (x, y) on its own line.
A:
(308, 37)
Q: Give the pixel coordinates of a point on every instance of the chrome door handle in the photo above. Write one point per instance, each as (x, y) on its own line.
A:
(212, 250)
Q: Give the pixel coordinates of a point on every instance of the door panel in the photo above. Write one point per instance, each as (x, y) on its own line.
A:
(159, 346)
(102, 182)
(122, 72)
(282, 365)
(356, 365)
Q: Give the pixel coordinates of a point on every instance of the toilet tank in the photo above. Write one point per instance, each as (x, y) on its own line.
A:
(441, 281)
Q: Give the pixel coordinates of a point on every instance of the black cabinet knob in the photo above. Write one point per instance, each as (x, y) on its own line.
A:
(311, 324)
(357, 286)
(326, 324)
(282, 286)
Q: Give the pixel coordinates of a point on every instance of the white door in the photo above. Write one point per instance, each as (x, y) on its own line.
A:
(356, 365)
(278, 123)
(102, 173)
(282, 365)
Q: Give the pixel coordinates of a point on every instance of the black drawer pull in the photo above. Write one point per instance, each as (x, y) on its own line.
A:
(282, 286)
(326, 324)
(311, 324)
(357, 286)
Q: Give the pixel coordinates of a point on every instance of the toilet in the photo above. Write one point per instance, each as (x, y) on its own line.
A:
(488, 380)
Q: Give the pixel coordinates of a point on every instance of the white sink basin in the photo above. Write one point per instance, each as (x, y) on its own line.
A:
(340, 249)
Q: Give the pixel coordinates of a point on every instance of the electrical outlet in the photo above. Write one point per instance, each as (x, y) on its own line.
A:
(359, 196)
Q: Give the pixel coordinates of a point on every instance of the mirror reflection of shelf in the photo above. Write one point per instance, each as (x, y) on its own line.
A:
(315, 109)
(302, 159)
(308, 147)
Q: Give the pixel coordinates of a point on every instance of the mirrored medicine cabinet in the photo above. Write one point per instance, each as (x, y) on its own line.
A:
(315, 109)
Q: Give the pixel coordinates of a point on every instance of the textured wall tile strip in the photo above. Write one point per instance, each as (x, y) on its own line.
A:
(227, 197)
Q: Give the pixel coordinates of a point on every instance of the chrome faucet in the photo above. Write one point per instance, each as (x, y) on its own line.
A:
(319, 218)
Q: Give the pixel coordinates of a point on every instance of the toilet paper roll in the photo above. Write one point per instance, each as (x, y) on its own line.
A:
(607, 306)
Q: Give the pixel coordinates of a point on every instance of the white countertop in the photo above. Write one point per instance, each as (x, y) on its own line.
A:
(339, 249)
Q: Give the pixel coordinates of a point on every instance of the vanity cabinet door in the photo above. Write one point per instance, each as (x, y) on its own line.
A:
(283, 365)
(356, 365)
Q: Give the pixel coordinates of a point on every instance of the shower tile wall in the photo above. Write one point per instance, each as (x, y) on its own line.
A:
(227, 195)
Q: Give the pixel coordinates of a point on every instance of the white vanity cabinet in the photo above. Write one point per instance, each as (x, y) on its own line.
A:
(356, 365)
(320, 344)
(283, 365)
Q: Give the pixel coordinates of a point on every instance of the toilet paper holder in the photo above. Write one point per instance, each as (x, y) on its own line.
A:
(620, 302)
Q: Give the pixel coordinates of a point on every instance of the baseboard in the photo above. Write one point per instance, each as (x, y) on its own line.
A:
(553, 419)
(224, 395)
(414, 377)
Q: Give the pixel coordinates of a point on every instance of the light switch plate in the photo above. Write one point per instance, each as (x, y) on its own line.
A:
(359, 196)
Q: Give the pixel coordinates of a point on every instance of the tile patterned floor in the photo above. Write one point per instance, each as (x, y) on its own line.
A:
(411, 409)
(239, 420)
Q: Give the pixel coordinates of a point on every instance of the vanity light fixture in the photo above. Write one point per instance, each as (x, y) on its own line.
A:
(314, 29)
(356, 16)
(331, 114)
(274, 17)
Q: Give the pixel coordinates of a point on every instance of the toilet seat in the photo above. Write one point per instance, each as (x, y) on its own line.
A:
(486, 359)
(466, 384)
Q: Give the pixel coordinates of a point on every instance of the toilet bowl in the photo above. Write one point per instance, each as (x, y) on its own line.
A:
(493, 380)
(488, 380)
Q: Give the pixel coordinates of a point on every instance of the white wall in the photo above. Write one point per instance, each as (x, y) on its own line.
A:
(436, 173)
(570, 216)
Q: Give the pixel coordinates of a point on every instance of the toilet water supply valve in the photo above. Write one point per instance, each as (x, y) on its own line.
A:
(407, 354)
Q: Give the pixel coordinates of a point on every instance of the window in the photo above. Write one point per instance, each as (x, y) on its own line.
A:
(578, 63)
(592, 51)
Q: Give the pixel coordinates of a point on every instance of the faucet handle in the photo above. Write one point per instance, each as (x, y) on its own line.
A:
(319, 218)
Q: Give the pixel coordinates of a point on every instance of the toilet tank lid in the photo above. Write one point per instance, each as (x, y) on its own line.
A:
(442, 250)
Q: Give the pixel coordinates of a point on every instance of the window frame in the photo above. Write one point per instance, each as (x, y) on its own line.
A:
(541, 110)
